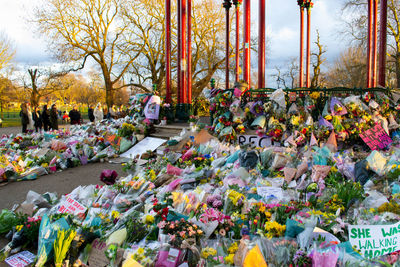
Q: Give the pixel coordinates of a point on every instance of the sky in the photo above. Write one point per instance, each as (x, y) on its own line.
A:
(282, 31)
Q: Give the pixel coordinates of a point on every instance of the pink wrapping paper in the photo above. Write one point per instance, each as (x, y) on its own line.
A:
(174, 170)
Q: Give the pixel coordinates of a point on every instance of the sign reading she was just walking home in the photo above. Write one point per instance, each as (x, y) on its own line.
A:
(375, 240)
(376, 137)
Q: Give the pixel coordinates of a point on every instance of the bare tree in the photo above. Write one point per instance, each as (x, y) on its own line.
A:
(147, 23)
(79, 29)
(356, 18)
(318, 61)
(7, 50)
(288, 73)
(349, 70)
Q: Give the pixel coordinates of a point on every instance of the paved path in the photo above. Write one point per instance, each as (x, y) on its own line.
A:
(60, 182)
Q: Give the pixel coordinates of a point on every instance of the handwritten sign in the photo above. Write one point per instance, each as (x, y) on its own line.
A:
(71, 206)
(254, 140)
(375, 240)
(376, 137)
(268, 192)
(21, 259)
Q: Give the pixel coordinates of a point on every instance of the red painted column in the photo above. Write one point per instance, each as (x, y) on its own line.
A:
(237, 65)
(301, 65)
(183, 51)
(261, 45)
(369, 51)
(383, 44)
(308, 59)
(227, 5)
(168, 50)
(375, 43)
(178, 61)
(246, 41)
(189, 51)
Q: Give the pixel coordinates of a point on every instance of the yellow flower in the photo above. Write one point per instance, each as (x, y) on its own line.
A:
(235, 197)
(229, 259)
(334, 169)
(19, 227)
(115, 214)
(262, 208)
(328, 117)
(140, 251)
(148, 219)
(274, 229)
(233, 248)
(315, 95)
(206, 252)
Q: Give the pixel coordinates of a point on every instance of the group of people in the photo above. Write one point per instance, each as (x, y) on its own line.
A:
(48, 119)
(97, 114)
(36, 119)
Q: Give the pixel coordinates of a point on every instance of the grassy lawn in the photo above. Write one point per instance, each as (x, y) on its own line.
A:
(12, 118)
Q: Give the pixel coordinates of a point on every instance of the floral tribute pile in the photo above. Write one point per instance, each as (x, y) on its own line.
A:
(310, 116)
(28, 156)
(315, 202)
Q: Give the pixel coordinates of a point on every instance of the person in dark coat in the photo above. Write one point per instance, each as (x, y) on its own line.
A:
(24, 117)
(46, 118)
(91, 113)
(37, 119)
(75, 116)
(54, 117)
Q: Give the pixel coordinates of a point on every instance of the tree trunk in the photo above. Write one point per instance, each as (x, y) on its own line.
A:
(35, 96)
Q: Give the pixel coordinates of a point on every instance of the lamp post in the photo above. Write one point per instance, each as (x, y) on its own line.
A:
(227, 5)
(261, 45)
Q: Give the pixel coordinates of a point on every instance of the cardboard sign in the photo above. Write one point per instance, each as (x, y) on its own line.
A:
(71, 206)
(376, 137)
(375, 240)
(149, 143)
(270, 192)
(254, 140)
(97, 256)
(21, 259)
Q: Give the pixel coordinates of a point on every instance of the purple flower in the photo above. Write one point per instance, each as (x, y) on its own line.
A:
(217, 203)
(108, 176)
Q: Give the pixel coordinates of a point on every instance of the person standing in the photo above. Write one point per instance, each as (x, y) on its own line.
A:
(54, 117)
(24, 117)
(98, 113)
(91, 113)
(37, 119)
(46, 118)
(31, 123)
(75, 116)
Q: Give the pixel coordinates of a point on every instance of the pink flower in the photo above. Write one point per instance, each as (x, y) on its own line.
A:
(161, 224)
(182, 234)
(172, 237)
(31, 219)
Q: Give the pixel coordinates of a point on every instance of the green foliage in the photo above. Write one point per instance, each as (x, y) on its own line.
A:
(349, 191)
